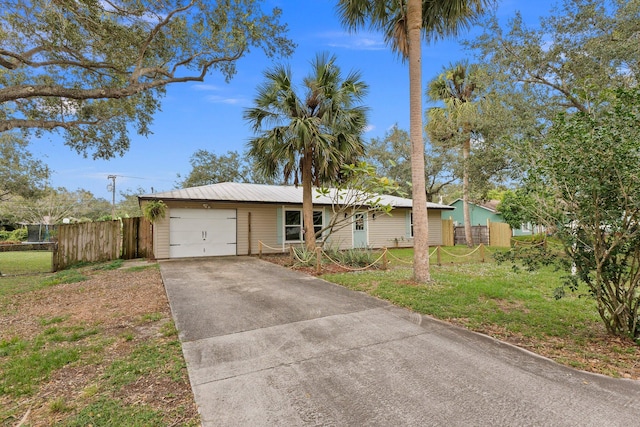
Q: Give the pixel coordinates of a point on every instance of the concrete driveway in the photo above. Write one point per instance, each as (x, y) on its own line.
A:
(266, 346)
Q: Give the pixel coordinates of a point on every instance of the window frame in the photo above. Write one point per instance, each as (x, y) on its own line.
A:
(317, 214)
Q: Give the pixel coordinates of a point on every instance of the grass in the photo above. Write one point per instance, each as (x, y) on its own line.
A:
(29, 362)
(110, 412)
(460, 254)
(494, 299)
(25, 262)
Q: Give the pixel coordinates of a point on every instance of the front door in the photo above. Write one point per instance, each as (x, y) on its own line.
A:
(360, 230)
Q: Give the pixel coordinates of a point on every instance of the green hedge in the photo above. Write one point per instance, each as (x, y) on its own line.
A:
(17, 235)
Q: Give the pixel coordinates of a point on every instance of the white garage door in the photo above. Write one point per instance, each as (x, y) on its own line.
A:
(202, 232)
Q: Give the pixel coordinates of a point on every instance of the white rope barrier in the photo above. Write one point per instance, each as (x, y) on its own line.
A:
(460, 256)
(281, 249)
(296, 256)
(400, 260)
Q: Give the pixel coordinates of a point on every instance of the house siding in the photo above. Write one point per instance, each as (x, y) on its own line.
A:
(383, 231)
(161, 237)
(388, 231)
(341, 238)
(478, 214)
(263, 229)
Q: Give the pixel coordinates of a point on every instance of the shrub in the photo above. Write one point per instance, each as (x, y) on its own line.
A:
(355, 258)
(17, 235)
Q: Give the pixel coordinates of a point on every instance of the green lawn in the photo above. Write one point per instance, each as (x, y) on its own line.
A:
(482, 296)
(448, 255)
(25, 262)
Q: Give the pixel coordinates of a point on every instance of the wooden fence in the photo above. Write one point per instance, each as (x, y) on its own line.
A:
(494, 234)
(499, 234)
(102, 241)
(137, 238)
(479, 234)
(447, 232)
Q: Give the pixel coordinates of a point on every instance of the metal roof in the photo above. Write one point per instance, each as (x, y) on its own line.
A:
(259, 193)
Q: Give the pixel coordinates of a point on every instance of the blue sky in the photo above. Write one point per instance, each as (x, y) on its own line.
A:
(209, 115)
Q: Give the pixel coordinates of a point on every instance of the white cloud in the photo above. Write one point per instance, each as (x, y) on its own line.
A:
(206, 87)
(369, 128)
(215, 99)
(359, 41)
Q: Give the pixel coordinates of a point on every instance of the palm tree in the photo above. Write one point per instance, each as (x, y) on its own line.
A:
(458, 121)
(308, 136)
(401, 21)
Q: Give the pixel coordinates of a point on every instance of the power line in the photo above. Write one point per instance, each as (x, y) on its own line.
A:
(138, 177)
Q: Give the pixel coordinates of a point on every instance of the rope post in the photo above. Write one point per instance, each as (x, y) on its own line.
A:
(318, 259)
(439, 255)
(260, 249)
(384, 259)
(481, 252)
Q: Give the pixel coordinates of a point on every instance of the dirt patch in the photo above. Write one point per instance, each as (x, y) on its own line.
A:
(119, 310)
(285, 261)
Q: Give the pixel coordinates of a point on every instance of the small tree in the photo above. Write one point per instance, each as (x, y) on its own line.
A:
(587, 175)
(359, 191)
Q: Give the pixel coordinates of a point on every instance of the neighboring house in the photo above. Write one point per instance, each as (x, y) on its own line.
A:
(480, 213)
(231, 219)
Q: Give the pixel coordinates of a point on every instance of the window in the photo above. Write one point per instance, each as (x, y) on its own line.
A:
(317, 221)
(293, 224)
(359, 222)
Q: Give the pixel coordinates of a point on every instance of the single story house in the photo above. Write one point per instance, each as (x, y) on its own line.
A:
(480, 213)
(233, 219)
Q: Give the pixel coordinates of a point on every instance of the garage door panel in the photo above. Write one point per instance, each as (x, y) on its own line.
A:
(200, 232)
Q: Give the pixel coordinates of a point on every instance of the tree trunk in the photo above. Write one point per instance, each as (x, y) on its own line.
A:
(420, 215)
(468, 235)
(307, 201)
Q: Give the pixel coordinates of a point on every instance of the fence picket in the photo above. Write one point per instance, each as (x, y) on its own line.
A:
(103, 241)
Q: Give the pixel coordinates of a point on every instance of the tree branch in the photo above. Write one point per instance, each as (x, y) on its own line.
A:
(24, 59)
(6, 125)
(537, 79)
(143, 49)
(17, 92)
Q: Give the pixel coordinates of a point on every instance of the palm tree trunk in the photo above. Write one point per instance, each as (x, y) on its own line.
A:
(307, 201)
(420, 215)
(468, 235)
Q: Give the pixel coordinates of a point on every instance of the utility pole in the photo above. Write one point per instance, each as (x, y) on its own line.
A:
(112, 187)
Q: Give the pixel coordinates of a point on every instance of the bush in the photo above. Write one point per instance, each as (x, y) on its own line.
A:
(17, 235)
(355, 258)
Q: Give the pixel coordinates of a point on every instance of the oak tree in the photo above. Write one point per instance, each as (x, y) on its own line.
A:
(93, 70)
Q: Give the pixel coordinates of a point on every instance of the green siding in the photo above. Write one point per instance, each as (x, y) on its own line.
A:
(479, 215)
